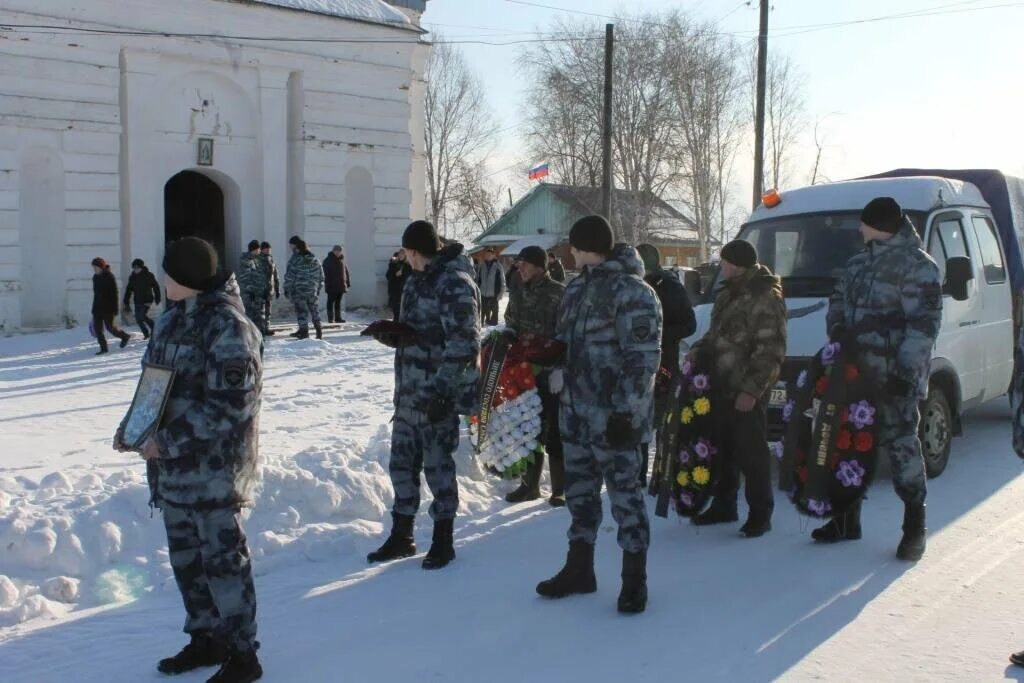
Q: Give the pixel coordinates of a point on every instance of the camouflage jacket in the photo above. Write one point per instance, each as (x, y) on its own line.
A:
(304, 276)
(747, 338)
(890, 300)
(271, 270)
(610, 321)
(209, 435)
(442, 304)
(251, 275)
(534, 307)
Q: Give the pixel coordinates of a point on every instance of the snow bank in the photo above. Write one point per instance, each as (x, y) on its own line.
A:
(83, 535)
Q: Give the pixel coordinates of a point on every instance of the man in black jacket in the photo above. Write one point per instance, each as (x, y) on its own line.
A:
(398, 272)
(679, 323)
(337, 281)
(104, 304)
(142, 285)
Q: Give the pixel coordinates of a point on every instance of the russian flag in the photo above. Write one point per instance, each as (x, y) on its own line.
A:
(539, 172)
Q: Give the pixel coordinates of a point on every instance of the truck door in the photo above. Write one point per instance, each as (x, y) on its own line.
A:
(957, 342)
(995, 331)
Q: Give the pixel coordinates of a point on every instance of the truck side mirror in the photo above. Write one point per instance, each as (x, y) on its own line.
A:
(691, 280)
(959, 273)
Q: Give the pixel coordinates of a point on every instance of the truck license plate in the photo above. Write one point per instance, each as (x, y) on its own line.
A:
(778, 397)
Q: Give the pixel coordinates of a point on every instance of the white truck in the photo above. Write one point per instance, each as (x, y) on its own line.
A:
(974, 236)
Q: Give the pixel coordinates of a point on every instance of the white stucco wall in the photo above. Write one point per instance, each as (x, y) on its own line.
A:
(102, 122)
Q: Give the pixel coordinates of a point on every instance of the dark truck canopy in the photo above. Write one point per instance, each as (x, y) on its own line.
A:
(1005, 194)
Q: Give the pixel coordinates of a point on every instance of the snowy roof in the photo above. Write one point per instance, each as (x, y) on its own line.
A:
(376, 11)
(914, 194)
(545, 242)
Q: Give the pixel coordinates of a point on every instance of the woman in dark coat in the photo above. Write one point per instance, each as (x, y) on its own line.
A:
(105, 304)
(398, 273)
(337, 281)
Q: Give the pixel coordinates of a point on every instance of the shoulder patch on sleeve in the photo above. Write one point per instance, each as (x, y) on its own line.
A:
(234, 372)
(641, 329)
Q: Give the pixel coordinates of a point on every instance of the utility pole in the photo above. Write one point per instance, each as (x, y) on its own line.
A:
(762, 76)
(606, 135)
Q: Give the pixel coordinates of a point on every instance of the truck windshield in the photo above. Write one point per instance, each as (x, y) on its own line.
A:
(808, 251)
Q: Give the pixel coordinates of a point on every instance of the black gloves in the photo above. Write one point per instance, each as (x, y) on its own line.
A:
(438, 409)
(898, 387)
(619, 431)
(390, 333)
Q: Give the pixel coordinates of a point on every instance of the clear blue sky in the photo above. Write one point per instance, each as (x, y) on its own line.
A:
(942, 90)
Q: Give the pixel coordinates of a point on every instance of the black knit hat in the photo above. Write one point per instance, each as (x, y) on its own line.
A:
(883, 213)
(593, 234)
(650, 255)
(295, 239)
(264, 245)
(191, 262)
(535, 256)
(740, 253)
(421, 236)
(254, 245)
(138, 263)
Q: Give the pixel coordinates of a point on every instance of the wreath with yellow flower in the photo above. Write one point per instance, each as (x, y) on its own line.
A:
(694, 460)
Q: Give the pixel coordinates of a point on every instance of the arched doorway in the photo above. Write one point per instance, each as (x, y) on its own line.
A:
(194, 207)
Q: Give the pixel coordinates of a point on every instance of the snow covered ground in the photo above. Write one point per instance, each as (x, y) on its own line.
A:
(86, 593)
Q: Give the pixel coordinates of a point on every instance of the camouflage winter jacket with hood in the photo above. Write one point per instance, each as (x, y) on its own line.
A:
(889, 299)
(610, 321)
(747, 338)
(442, 304)
(209, 436)
(534, 307)
(304, 277)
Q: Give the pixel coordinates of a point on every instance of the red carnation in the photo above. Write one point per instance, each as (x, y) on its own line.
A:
(845, 440)
(852, 373)
(844, 416)
(863, 442)
(821, 385)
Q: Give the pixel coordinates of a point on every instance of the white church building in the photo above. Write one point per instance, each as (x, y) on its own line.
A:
(125, 124)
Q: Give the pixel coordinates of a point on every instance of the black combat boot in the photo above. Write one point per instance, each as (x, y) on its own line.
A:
(303, 332)
(202, 651)
(319, 330)
(912, 544)
(842, 527)
(633, 596)
(442, 549)
(399, 543)
(239, 667)
(523, 494)
(758, 524)
(557, 500)
(718, 513)
(577, 576)
(125, 338)
(1017, 658)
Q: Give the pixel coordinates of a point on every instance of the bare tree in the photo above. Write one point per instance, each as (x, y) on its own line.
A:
(784, 114)
(459, 131)
(478, 204)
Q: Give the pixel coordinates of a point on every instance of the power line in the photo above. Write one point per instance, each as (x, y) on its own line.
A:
(892, 17)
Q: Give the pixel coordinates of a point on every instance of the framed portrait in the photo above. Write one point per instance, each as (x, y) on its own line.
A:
(148, 404)
(205, 152)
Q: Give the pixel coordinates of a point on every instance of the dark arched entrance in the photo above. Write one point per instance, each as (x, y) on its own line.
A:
(194, 207)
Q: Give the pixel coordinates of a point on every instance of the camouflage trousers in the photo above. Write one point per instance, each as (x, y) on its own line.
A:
(307, 307)
(898, 420)
(255, 306)
(587, 466)
(210, 559)
(419, 445)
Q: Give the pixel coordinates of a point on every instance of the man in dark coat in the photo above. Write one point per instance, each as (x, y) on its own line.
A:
(679, 323)
(104, 304)
(398, 273)
(533, 308)
(747, 344)
(337, 281)
(555, 268)
(142, 285)
(490, 278)
(202, 460)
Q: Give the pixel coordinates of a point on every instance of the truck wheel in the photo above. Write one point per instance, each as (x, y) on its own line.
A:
(936, 432)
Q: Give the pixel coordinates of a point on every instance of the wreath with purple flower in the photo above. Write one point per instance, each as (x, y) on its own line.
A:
(829, 453)
(694, 471)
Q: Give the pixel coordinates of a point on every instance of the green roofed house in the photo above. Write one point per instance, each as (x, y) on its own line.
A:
(544, 215)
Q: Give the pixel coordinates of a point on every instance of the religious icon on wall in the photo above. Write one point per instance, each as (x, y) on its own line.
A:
(205, 152)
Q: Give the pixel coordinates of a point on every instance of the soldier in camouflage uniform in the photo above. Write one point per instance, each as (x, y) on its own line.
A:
(252, 277)
(273, 283)
(202, 459)
(888, 306)
(746, 345)
(436, 379)
(533, 308)
(302, 283)
(610, 321)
